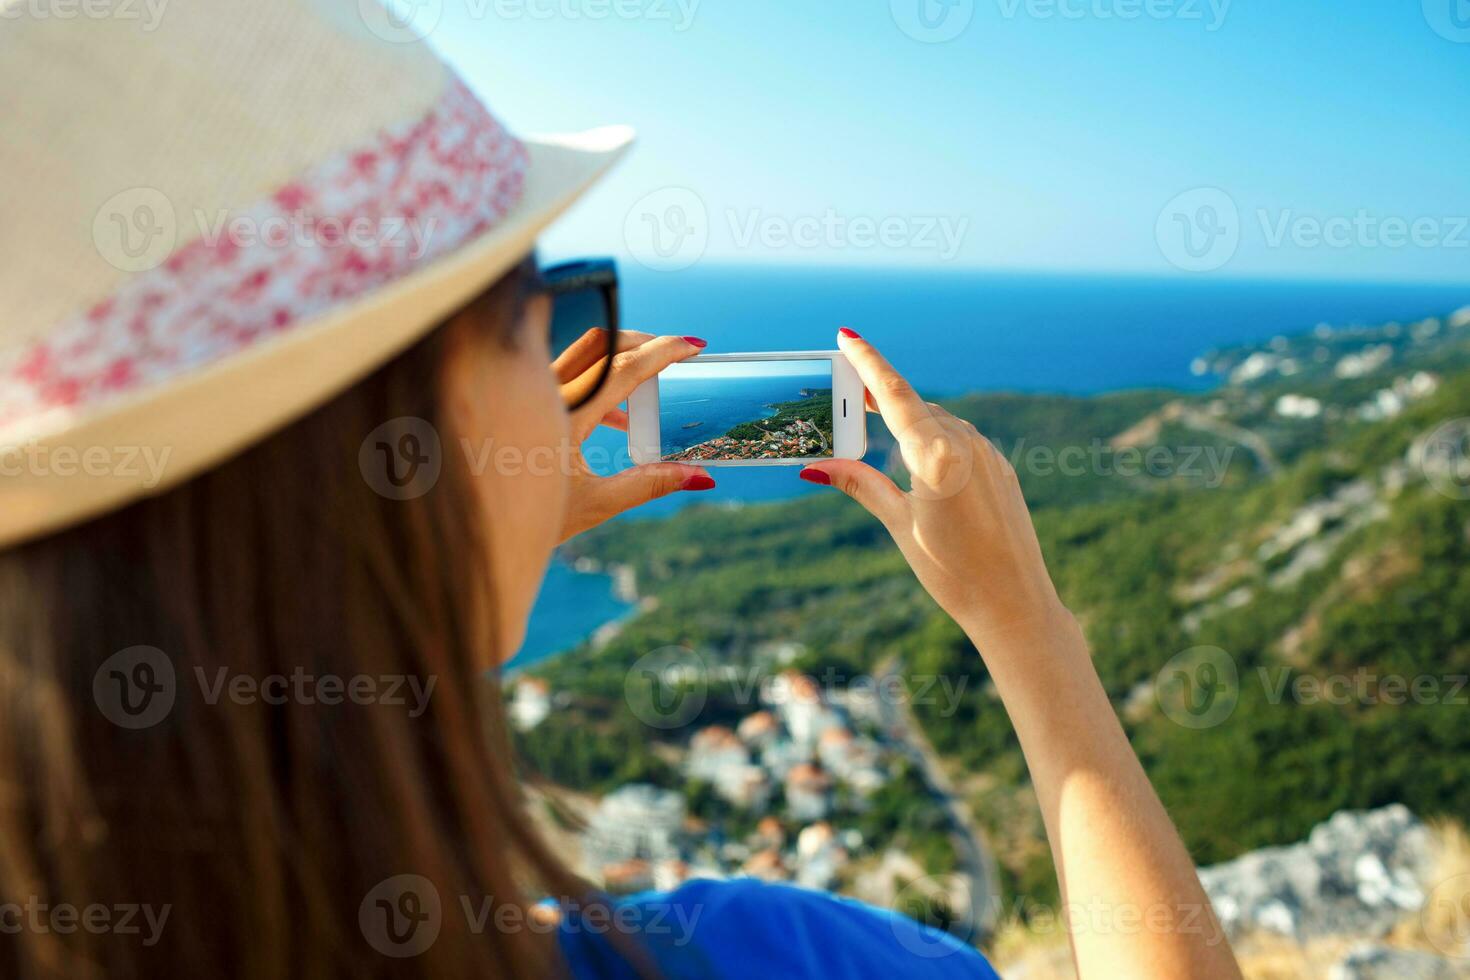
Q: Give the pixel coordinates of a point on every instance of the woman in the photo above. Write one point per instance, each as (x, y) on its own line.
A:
(280, 486)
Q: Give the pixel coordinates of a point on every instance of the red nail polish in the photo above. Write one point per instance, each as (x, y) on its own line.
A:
(696, 342)
(816, 476)
(849, 332)
(697, 483)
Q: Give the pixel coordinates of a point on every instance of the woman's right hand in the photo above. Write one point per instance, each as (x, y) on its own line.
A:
(963, 526)
(965, 530)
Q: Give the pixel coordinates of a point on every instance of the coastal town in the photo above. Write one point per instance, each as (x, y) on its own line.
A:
(797, 439)
(816, 786)
(1295, 548)
(795, 430)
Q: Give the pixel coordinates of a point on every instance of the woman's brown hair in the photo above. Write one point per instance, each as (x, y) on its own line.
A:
(262, 828)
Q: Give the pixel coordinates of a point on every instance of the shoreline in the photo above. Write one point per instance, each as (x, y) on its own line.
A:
(621, 587)
(1216, 367)
(800, 433)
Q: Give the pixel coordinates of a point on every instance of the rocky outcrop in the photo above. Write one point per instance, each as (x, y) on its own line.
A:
(1357, 874)
(1373, 962)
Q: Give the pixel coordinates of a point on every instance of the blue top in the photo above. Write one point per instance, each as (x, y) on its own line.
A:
(747, 928)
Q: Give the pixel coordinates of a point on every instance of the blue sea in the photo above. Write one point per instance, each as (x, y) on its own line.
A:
(953, 332)
(571, 606)
(719, 404)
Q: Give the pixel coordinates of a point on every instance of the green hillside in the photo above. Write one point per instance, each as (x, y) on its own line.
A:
(815, 408)
(1304, 538)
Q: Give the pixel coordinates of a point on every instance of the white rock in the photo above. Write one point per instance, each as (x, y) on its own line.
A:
(1277, 917)
(1372, 961)
(1357, 873)
(1253, 367)
(1366, 361)
(1294, 406)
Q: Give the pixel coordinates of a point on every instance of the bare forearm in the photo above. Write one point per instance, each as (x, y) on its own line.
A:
(1131, 899)
(1116, 851)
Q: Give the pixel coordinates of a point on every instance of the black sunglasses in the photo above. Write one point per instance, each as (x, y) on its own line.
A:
(584, 324)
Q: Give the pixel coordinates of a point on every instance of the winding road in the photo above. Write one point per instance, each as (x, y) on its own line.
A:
(976, 862)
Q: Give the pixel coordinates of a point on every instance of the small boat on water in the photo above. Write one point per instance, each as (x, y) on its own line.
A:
(692, 425)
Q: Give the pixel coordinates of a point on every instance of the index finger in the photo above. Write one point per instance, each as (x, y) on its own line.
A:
(630, 368)
(898, 403)
(588, 351)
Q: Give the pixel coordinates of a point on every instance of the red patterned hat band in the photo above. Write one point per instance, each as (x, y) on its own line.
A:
(368, 215)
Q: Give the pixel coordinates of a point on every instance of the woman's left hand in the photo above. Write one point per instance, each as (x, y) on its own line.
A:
(594, 498)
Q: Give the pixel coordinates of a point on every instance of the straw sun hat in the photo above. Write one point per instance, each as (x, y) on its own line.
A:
(216, 214)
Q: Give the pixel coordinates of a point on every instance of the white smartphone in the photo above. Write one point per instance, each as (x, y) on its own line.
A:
(750, 410)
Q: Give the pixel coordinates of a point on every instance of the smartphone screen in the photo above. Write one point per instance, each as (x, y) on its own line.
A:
(733, 410)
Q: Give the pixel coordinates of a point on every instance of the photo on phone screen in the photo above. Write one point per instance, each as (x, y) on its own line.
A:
(734, 410)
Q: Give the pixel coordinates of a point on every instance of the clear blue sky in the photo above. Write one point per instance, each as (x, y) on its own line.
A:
(706, 370)
(1044, 136)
